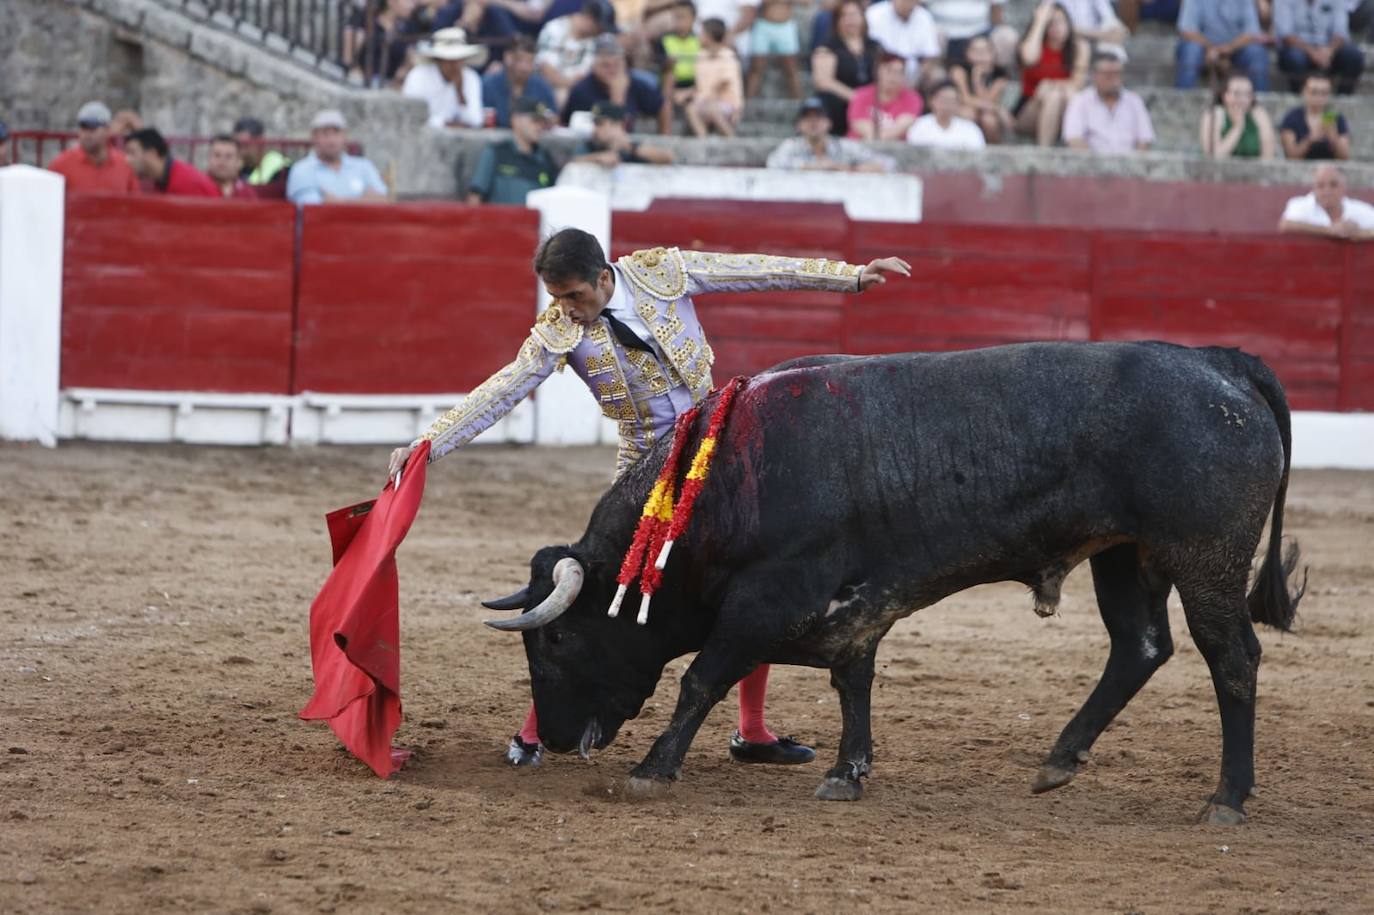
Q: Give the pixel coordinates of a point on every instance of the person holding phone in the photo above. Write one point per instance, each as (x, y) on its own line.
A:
(1314, 131)
(1235, 127)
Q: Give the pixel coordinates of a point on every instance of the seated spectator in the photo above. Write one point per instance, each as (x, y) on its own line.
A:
(738, 16)
(718, 99)
(1327, 211)
(491, 21)
(676, 53)
(1094, 20)
(905, 28)
(381, 55)
(961, 21)
(1314, 131)
(846, 61)
(1361, 17)
(886, 109)
(981, 84)
(223, 168)
(610, 144)
(151, 159)
(262, 167)
(1213, 31)
(774, 39)
(610, 81)
(1236, 127)
(1106, 118)
(1315, 38)
(1133, 12)
(510, 169)
(330, 175)
(445, 79)
(92, 166)
(125, 122)
(943, 127)
(1054, 66)
(815, 149)
(516, 80)
(566, 47)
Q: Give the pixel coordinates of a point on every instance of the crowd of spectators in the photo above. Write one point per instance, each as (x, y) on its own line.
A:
(939, 73)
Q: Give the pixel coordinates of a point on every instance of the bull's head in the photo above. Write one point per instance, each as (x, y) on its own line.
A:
(589, 673)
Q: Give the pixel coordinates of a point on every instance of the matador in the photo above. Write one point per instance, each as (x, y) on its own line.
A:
(630, 332)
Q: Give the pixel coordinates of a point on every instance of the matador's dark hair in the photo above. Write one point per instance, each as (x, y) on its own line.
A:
(570, 254)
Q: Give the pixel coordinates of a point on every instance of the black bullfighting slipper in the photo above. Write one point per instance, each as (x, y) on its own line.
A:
(785, 752)
(520, 753)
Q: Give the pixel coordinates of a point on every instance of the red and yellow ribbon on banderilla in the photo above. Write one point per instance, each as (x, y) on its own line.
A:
(666, 514)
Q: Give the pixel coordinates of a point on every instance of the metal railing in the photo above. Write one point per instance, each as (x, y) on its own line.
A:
(318, 29)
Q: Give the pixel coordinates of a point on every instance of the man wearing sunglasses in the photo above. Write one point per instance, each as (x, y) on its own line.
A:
(93, 166)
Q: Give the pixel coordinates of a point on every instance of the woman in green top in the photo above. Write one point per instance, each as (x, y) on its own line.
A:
(1237, 128)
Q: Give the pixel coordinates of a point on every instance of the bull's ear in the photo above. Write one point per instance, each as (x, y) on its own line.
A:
(517, 601)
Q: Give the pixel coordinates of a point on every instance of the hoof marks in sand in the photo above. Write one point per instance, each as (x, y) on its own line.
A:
(1051, 777)
(639, 788)
(839, 789)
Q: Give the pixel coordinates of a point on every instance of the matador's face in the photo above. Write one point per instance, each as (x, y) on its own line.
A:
(583, 301)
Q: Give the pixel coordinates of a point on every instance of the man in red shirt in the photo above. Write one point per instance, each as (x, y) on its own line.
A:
(92, 166)
(224, 166)
(152, 160)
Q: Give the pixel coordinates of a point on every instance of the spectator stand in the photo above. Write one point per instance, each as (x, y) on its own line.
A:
(39, 147)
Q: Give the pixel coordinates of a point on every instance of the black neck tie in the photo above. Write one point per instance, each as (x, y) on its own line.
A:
(628, 338)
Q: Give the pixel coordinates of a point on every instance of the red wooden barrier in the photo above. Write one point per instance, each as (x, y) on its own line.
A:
(167, 294)
(175, 294)
(411, 298)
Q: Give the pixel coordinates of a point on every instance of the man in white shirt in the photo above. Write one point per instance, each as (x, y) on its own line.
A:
(567, 46)
(446, 80)
(960, 21)
(1095, 20)
(942, 127)
(905, 28)
(1327, 212)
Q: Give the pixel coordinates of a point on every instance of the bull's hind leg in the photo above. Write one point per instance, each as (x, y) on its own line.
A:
(1220, 624)
(854, 682)
(1132, 600)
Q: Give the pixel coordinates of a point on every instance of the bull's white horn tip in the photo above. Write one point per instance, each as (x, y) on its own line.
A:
(662, 560)
(644, 609)
(614, 610)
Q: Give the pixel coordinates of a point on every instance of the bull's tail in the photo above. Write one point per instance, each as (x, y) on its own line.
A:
(1270, 600)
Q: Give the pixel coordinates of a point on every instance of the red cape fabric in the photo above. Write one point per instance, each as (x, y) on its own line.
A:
(355, 626)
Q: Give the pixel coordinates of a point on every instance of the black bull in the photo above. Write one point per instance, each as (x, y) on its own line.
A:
(848, 493)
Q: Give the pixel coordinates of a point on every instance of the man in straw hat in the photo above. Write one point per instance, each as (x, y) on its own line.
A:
(630, 332)
(447, 80)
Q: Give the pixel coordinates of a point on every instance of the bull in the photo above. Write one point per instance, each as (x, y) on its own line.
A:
(850, 492)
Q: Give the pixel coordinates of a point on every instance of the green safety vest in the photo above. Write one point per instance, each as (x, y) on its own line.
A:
(684, 51)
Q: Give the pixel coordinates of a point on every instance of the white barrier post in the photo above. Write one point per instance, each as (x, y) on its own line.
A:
(564, 414)
(31, 214)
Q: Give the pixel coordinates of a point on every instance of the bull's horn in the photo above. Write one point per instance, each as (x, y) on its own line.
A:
(517, 601)
(567, 583)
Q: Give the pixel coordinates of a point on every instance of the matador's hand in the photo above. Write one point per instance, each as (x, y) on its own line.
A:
(398, 461)
(873, 273)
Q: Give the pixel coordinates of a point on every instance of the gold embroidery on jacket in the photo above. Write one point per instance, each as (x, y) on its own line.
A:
(557, 331)
(650, 375)
(487, 393)
(659, 271)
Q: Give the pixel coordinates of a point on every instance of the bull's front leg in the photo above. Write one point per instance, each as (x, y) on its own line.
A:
(706, 682)
(854, 682)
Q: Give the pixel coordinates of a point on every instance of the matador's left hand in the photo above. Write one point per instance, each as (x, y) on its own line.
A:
(873, 273)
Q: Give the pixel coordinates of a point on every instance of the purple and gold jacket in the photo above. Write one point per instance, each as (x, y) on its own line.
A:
(642, 391)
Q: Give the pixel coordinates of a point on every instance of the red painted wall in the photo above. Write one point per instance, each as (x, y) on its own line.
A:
(166, 294)
(411, 298)
(177, 294)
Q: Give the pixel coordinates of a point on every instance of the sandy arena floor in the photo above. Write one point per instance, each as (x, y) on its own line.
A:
(153, 656)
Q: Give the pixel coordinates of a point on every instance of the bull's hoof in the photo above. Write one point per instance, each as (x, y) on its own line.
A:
(1220, 815)
(1051, 777)
(638, 787)
(840, 789)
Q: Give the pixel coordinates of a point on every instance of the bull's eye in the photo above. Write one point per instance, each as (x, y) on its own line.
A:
(555, 638)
